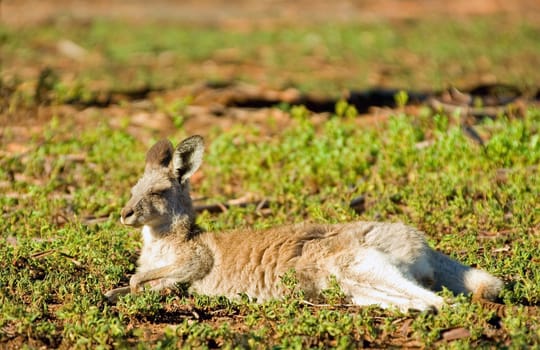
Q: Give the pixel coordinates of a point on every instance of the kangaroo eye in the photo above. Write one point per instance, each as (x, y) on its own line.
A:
(156, 193)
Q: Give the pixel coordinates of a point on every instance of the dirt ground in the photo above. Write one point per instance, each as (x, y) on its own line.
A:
(238, 12)
(239, 103)
(219, 106)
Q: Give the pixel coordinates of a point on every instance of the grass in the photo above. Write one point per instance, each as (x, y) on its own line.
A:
(414, 55)
(477, 204)
(63, 246)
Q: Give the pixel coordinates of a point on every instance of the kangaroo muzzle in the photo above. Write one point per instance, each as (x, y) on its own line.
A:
(127, 216)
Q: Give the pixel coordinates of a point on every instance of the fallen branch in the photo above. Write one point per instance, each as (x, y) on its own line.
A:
(223, 207)
(45, 253)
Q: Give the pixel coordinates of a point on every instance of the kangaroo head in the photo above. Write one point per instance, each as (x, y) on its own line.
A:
(161, 195)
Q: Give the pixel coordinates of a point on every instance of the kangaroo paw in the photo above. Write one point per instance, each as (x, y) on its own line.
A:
(113, 295)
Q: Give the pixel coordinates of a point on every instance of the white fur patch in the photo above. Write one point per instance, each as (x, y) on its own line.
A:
(379, 281)
(156, 253)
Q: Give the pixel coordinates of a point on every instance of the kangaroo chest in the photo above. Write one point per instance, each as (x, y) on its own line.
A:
(155, 252)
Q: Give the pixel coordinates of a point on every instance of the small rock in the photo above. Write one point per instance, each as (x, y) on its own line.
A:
(455, 334)
(358, 204)
(70, 49)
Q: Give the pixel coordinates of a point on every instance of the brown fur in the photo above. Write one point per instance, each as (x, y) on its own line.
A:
(388, 264)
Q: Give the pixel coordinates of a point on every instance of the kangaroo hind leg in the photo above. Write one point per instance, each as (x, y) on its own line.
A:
(374, 280)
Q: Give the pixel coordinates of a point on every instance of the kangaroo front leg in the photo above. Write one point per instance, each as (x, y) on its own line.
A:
(159, 278)
(116, 293)
(166, 276)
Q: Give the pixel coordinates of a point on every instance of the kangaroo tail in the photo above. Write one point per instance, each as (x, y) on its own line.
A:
(463, 279)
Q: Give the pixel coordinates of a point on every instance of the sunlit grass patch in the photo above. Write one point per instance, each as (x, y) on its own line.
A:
(63, 245)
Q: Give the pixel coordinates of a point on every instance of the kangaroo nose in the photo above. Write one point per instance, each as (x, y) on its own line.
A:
(126, 213)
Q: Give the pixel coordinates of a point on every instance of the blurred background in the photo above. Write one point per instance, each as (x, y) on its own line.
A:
(62, 57)
(210, 12)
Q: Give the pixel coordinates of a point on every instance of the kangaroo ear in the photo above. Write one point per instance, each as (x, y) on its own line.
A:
(160, 154)
(188, 157)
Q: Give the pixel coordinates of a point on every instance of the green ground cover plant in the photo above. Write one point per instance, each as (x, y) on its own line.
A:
(478, 204)
(66, 171)
(409, 55)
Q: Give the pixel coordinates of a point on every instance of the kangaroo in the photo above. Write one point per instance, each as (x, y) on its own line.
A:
(374, 263)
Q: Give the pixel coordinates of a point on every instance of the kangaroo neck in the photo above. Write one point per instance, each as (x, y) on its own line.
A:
(178, 225)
